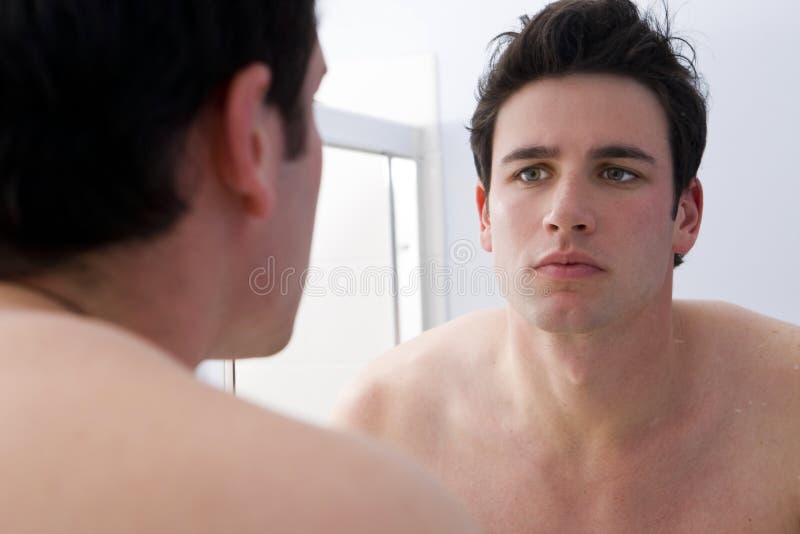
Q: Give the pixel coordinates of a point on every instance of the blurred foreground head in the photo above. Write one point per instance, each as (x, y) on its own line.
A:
(96, 99)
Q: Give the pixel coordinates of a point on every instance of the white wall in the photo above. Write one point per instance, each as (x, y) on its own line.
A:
(352, 238)
(749, 249)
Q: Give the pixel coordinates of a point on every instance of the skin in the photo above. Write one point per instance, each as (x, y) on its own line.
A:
(595, 403)
(105, 428)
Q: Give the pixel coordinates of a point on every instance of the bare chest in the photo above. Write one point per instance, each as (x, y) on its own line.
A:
(716, 489)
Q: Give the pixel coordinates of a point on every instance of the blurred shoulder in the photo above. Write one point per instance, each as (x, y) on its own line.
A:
(106, 429)
(301, 478)
(36, 337)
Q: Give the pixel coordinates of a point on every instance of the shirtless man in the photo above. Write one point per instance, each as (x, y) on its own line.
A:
(593, 402)
(152, 155)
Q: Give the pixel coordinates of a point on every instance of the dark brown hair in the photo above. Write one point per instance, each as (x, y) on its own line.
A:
(597, 36)
(95, 102)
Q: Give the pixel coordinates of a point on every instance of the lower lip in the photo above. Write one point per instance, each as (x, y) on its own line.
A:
(572, 271)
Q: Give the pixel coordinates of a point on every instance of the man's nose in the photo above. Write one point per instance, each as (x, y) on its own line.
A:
(571, 207)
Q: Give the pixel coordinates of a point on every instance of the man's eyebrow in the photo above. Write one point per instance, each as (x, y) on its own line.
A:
(621, 151)
(531, 152)
(602, 152)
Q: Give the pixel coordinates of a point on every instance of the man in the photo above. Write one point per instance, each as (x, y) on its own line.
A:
(152, 155)
(593, 402)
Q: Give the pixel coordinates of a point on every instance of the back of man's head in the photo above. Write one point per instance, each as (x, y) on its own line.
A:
(96, 99)
(597, 36)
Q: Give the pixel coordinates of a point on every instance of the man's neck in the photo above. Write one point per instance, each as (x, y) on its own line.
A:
(606, 388)
(168, 310)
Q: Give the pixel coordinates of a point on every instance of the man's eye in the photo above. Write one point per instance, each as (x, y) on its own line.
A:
(616, 174)
(532, 174)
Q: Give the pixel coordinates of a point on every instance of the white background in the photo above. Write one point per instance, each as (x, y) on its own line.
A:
(747, 51)
(343, 322)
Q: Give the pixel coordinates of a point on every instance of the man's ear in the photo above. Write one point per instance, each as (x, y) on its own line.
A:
(252, 140)
(482, 201)
(688, 218)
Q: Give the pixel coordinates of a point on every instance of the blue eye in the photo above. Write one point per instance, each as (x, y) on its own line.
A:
(532, 174)
(615, 174)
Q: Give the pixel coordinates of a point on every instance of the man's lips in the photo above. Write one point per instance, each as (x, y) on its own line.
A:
(569, 271)
(567, 265)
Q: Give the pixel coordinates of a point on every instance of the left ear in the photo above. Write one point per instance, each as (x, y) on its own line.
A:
(482, 202)
(252, 140)
(688, 218)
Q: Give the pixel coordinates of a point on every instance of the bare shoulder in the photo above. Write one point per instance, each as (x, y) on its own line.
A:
(103, 432)
(757, 350)
(756, 362)
(743, 332)
(408, 383)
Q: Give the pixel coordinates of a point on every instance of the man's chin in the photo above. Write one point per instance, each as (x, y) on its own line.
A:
(559, 314)
(273, 345)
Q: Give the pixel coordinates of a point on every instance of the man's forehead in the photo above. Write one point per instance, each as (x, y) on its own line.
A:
(590, 110)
